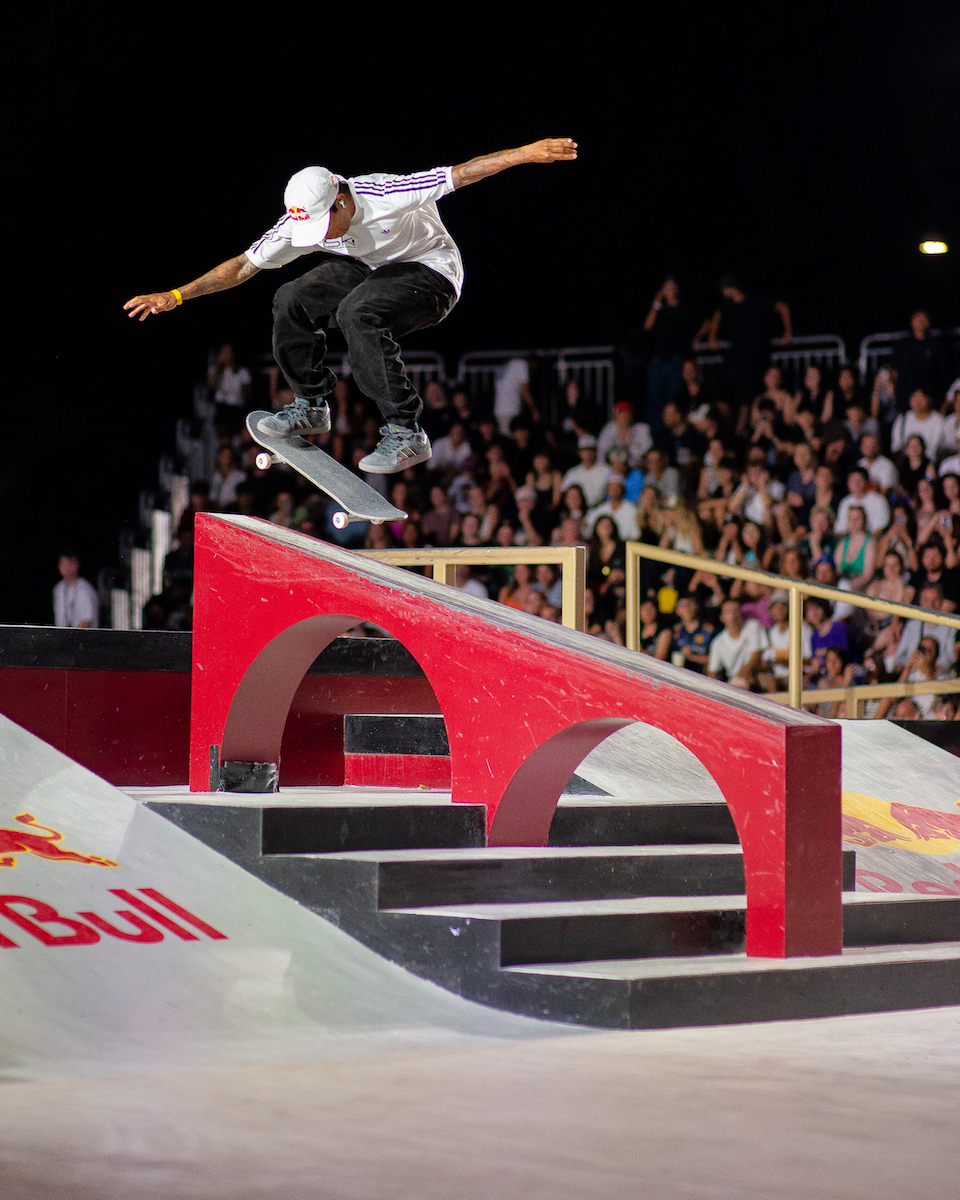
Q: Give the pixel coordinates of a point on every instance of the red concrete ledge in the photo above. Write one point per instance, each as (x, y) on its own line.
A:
(523, 701)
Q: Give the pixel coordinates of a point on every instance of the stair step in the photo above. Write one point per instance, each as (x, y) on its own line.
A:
(641, 822)
(655, 926)
(327, 829)
(572, 930)
(666, 992)
(412, 878)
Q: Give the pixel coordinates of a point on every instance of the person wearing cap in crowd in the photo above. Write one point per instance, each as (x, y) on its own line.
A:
(626, 434)
(388, 268)
(776, 658)
(591, 476)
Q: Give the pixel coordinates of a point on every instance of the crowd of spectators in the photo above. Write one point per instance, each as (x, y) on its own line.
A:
(853, 487)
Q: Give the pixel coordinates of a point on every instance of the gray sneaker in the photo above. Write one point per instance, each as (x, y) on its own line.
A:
(300, 418)
(398, 449)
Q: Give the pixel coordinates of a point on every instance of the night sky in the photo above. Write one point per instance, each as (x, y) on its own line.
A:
(807, 151)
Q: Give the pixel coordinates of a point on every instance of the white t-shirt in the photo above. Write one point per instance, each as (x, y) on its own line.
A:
(882, 472)
(229, 389)
(592, 481)
(875, 507)
(75, 603)
(507, 394)
(396, 221)
(730, 655)
(930, 429)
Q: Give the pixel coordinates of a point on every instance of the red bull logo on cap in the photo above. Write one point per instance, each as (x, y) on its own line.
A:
(298, 214)
(17, 842)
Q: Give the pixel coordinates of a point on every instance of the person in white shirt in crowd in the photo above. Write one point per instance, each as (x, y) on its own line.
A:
(776, 658)
(931, 597)
(511, 393)
(228, 383)
(226, 478)
(75, 601)
(874, 504)
(758, 495)
(623, 512)
(736, 652)
(471, 586)
(660, 475)
(950, 409)
(632, 436)
(923, 665)
(951, 465)
(881, 470)
(591, 476)
(451, 452)
(921, 420)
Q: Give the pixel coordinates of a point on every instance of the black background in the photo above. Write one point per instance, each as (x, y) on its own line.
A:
(806, 148)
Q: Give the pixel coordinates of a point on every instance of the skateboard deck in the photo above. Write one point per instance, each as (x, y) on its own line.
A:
(359, 500)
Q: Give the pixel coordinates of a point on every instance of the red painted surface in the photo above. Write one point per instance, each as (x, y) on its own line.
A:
(132, 728)
(523, 702)
(397, 770)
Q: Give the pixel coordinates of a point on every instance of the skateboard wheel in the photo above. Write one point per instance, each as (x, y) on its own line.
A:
(263, 460)
(341, 520)
(376, 521)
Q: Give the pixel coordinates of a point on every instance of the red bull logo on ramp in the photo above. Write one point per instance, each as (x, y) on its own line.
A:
(16, 842)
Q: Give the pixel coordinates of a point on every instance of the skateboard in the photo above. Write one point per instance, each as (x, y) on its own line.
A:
(359, 500)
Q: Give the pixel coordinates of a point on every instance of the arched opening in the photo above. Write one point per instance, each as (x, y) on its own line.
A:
(282, 710)
(626, 759)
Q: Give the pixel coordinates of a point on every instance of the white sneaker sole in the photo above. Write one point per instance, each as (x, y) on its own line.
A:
(375, 468)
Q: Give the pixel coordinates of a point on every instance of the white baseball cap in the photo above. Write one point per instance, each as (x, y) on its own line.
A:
(308, 197)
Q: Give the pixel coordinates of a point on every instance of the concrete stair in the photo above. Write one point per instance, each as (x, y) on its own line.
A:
(632, 916)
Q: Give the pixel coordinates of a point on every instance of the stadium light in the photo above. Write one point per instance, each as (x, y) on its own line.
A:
(933, 245)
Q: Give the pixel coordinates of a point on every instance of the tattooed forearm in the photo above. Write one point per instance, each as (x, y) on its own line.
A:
(485, 165)
(545, 151)
(227, 275)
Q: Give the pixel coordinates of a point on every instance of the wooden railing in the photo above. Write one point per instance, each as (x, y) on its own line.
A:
(797, 590)
(572, 561)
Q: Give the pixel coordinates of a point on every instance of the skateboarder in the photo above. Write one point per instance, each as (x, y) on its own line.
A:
(387, 268)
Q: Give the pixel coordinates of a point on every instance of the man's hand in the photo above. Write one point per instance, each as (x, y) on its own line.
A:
(154, 302)
(227, 275)
(551, 150)
(545, 151)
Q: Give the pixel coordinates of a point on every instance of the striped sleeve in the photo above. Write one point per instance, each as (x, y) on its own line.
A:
(273, 249)
(401, 192)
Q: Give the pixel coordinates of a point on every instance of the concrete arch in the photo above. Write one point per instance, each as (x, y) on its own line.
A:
(538, 783)
(268, 600)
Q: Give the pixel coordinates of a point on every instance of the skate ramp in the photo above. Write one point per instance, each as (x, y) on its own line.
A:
(901, 798)
(250, 978)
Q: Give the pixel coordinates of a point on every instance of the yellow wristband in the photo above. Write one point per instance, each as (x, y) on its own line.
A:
(175, 292)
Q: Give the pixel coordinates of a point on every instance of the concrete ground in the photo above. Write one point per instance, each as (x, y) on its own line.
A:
(838, 1109)
(286, 1060)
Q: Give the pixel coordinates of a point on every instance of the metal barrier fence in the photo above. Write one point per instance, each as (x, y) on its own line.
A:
(592, 367)
(572, 561)
(797, 590)
(876, 348)
(823, 350)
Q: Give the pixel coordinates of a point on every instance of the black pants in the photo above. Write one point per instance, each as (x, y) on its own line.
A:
(373, 309)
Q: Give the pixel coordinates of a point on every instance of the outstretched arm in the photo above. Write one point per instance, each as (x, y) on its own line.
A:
(229, 274)
(546, 151)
